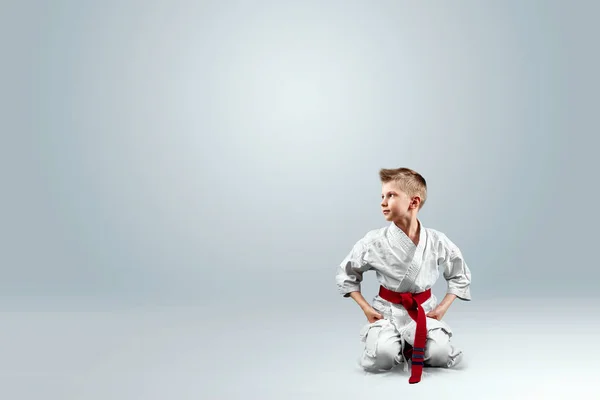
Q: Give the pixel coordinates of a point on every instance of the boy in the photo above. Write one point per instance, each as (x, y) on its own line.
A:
(404, 320)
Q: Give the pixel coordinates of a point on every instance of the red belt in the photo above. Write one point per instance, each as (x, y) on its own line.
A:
(412, 303)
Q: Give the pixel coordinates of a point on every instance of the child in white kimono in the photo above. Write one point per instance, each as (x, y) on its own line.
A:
(405, 320)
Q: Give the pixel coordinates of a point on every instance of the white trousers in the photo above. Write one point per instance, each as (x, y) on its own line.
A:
(384, 345)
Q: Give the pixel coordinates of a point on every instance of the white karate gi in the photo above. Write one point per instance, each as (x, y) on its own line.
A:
(403, 267)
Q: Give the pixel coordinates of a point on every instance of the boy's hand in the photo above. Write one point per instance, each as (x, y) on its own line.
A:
(438, 313)
(369, 311)
(372, 315)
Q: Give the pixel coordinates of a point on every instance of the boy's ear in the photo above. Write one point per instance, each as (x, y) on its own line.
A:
(415, 202)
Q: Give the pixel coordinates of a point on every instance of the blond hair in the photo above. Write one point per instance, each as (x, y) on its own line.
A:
(410, 182)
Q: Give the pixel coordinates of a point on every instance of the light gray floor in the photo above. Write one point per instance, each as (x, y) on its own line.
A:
(545, 349)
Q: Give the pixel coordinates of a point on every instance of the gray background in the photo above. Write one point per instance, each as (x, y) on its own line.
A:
(224, 156)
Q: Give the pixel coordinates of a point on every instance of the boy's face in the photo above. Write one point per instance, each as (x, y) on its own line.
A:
(395, 204)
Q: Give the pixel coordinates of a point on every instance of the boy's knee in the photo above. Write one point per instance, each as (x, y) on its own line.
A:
(382, 347)
(437, 355)
(387, 353)
(440, 352)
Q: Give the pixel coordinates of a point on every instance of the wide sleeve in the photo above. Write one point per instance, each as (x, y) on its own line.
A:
(350, 271)
(457, 273)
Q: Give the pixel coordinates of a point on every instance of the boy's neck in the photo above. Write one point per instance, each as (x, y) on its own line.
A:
(411, 227)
